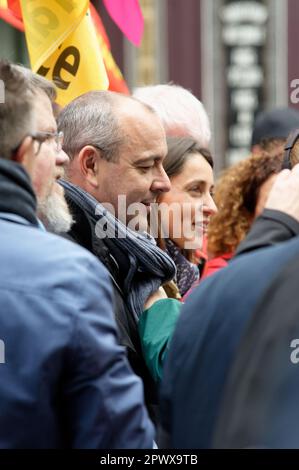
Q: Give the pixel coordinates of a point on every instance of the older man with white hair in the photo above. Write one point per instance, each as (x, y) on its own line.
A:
(182, 114)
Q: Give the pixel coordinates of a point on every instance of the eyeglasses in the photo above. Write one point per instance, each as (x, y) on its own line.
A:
(292, 139)
(41, 137)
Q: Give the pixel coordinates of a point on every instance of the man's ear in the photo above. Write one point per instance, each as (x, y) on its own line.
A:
(89, 161)
(25, 154)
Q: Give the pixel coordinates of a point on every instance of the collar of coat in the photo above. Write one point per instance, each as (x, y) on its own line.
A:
(149, 266)
(16, 193)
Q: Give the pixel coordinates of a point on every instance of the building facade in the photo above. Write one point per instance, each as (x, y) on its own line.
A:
(237, 56)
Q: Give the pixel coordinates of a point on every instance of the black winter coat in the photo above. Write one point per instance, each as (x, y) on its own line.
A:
(118, 264)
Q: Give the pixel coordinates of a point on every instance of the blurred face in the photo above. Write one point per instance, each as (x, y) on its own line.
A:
(191, 198)
(48, 167)
(138, 175)
(49, 163)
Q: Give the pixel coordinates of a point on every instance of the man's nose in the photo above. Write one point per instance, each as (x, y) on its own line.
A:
(161, 183)
(62, 158)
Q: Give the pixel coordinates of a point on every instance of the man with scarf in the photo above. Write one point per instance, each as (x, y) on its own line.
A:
(65, 381)
(116, 146)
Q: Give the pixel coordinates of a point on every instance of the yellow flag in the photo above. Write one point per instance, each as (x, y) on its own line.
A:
(3, 3)
(63, 46)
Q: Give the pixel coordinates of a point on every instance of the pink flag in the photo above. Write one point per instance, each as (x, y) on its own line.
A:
(128, 17)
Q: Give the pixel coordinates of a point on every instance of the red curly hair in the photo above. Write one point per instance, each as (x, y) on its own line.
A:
(236, 196)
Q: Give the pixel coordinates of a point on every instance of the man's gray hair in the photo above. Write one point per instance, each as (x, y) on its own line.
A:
(182, 114)
(91, 119)
(37, 82)
(16, 110)
(17, 118)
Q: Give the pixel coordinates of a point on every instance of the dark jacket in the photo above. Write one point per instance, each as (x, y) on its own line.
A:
(270, 228)
(118, 264)
(206, 337)
(64, 380)
(260, 405)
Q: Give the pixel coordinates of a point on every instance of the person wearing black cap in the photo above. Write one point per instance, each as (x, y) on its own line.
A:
(271, 129)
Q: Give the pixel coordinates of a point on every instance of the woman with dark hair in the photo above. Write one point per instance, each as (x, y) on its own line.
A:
(182, 223)
(186, 209)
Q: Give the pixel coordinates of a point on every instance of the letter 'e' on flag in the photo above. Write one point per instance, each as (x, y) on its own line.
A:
(63, 46)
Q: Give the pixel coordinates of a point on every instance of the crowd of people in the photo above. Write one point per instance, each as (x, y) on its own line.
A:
(140, 305)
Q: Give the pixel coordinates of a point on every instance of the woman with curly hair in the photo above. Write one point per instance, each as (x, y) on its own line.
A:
(240, 195)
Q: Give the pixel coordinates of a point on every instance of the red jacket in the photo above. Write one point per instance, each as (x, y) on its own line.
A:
(214, 264)
(211, 267)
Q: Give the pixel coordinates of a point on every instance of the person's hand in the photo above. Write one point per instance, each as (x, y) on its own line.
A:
(284, 195)
(158, 295)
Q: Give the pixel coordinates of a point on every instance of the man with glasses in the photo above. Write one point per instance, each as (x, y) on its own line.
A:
(50, 159)
(42, 137)
(64, 380)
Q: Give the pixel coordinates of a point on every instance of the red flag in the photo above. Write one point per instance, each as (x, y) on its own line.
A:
(12, 14)
(15, 7)
(116, 80)
(128, 17)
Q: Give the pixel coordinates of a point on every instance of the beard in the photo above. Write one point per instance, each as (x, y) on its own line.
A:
(53, 211)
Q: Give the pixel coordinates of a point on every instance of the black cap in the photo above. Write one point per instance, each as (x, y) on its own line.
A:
(274, 124)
